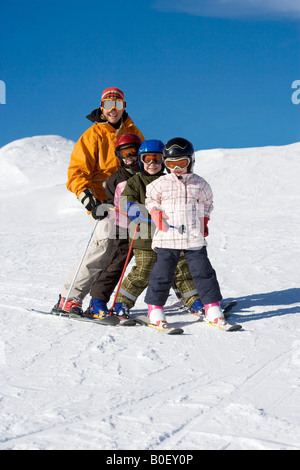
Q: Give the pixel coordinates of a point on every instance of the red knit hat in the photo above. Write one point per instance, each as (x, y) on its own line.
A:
(112, 93)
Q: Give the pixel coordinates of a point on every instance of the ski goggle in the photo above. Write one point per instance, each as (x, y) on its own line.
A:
(129, 151)
(108, 105)
(148, 158)
(181, 162)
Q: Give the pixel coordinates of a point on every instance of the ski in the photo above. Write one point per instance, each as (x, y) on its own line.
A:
(225, 327)
(226, 311)
(143, 320)
(124, 321)
(121, 320)
(106, 321)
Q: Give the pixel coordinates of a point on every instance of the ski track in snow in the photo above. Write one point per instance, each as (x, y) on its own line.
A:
(72, 385)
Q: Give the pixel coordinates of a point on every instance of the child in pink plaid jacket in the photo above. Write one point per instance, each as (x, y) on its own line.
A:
(180, 204)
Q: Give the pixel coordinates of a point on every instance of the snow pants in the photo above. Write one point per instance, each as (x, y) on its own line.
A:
(97, 258)
(138, 278)
(162, 276)
(108, 278)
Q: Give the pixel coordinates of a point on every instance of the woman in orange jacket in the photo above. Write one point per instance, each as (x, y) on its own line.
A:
(93, 160)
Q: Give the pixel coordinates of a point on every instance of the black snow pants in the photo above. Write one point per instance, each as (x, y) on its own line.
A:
(162, 276)
(108, 278)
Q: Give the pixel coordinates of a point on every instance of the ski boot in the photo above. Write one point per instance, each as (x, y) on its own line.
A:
(214, 314)
(73, 307)
(121, 310)
(157, 316)
(198, 308)
(97, 309)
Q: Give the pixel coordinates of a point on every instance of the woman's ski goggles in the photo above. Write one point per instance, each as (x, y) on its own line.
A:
(181, 162)
(108, 105)
(128, 151)
(148, 158)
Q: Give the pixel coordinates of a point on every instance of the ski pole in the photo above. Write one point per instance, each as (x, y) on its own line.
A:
(80, 263)
(124, 269)
(180, 229)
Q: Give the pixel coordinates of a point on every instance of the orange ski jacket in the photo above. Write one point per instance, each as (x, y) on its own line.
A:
(93, 158)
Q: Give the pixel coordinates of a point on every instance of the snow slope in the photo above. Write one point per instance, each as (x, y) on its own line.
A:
(71, 385)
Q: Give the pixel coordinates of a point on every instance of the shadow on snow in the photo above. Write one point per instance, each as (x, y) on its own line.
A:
(272, 304)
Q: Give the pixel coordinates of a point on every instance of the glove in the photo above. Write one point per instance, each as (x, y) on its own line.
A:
(99, 212)
(88, 199)
(158, 218)
(133, 211)
(206, 231)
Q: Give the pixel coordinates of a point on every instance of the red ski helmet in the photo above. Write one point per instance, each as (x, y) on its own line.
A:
(130, 140)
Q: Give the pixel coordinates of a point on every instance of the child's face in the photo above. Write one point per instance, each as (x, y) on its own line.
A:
(152, 168)
(129, 159)
(178, 171)
(128, 153)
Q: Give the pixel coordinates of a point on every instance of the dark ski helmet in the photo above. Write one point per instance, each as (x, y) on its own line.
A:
(180, 147)
(128, 140)
(151, 146)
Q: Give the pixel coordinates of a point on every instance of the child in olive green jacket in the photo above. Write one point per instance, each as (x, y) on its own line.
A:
(150, 155)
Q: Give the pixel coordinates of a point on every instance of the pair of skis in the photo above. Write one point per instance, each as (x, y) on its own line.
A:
(113, 320)
(109, 320)
(143, 320)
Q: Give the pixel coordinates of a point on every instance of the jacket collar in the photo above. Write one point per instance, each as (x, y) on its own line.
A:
(95, 116)
(186, 176)
(160, 173)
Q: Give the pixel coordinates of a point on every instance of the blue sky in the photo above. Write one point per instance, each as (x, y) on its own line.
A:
(218, 72)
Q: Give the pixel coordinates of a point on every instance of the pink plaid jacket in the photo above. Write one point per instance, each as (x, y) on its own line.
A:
(186, 201)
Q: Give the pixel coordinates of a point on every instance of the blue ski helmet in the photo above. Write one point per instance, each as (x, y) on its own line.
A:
(151, 146)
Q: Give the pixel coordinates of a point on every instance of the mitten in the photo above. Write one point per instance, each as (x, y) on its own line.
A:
(133, 211)
(159, 218)
(99, 212)
(206, 231)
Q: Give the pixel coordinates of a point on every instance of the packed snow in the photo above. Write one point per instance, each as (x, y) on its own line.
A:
(73, 385)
